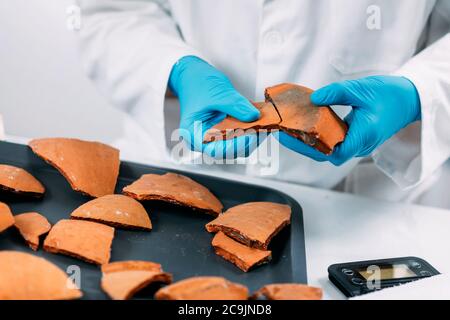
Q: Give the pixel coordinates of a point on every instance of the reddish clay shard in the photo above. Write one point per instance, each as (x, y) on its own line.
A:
(231, 128)
(288, 291)
(240, 255)
(91, 168)
(203, 288)
(288, 107)
(115, 210)
(253, 224)
(176, 189)
(6, 217)
(27, 277)
(122, 280)
(19, 181)
(317, 126)
(31, 226)
(85, 240)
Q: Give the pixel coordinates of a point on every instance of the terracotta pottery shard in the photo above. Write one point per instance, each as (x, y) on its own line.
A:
(242, 256)
(288, 291)
(6, 217)
(122, 280)
(288, 108)
(203, 288)
(91, 168)
(231, 128)
(253, 224)
(31, 226)
(316, 126)
(26, 277)
(174, 188)
(131, 265)
(85, 240)
(115, 210)
(19, 181)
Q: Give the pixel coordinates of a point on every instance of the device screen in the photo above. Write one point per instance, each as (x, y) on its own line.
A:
(388, 272)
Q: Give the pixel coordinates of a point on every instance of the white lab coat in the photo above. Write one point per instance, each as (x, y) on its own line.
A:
(129, 47)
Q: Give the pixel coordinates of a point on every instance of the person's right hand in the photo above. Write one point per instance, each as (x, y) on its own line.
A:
(381, 107)
(207, 96)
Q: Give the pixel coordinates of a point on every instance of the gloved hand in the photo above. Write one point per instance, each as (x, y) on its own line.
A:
(382, 106)
(206, 97)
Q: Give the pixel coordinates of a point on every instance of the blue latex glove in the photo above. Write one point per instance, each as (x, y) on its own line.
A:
(207, 96)
(382, 106)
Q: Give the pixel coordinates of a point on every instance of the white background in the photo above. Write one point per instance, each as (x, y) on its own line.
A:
(43, 90)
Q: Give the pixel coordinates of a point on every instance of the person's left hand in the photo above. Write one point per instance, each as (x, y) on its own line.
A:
(382, 106)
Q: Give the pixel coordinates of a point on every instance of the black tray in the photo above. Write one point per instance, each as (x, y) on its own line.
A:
(178, 240)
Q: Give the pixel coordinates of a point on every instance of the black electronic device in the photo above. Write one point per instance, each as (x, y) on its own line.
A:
(358, 278)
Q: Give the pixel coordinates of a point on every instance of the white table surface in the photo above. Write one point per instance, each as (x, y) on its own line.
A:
(343, 228)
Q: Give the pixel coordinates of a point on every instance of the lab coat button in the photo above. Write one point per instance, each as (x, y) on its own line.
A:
(273, 39)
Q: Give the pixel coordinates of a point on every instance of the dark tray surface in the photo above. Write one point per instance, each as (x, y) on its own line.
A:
(178, 240)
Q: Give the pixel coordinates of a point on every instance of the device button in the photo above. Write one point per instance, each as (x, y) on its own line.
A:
(348, 272)
(425, 273)
(416, 265)
(358, 281)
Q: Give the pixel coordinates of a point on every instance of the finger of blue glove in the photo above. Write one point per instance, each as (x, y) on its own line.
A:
(337, 93)
(341, 154)
(299, 147)
(240, 147)
(354, 143)
(193, 130)
(221, 94)
(242, 110)
(381, 106)
(345, 93)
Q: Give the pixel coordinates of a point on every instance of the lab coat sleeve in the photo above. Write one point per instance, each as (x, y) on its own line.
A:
(401, 158)
(128, 47)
